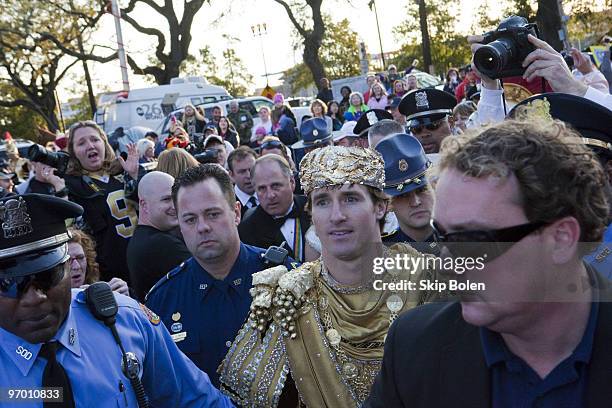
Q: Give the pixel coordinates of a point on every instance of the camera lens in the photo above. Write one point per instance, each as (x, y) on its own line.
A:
(491, 59)
(37, 153)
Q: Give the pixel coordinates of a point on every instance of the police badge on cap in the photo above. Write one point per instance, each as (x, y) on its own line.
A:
(426, 105)
(369, 118)
(34, 233)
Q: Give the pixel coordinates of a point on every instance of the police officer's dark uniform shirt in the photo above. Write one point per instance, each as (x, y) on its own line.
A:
(92, 360)
(204, 314)
(515, 384)
(429, 246)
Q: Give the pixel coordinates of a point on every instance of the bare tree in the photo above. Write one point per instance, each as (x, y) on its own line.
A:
(179, 40)
(312, 34)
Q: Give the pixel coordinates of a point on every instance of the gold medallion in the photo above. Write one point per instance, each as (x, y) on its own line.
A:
(395, 303)
(333, 336)
(176, 317)
(350, 370)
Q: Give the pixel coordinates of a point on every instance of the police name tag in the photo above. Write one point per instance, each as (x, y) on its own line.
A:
(177, 337)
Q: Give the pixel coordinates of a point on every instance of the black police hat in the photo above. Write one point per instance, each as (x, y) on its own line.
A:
(314, 132)
(405, 163)
(423, 106)
(369, 118)
(34, 234)
(590, 119)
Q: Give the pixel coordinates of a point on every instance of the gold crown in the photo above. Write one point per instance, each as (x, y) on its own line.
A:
(338, 165)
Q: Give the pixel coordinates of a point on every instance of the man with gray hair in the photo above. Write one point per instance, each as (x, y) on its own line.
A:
(280, 215)
(382, 129)
(154, 250)
(242, 121)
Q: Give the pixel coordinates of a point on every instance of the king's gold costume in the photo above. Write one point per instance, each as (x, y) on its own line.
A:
(329, 338)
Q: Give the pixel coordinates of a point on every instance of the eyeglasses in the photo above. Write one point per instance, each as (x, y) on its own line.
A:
(430, 126)
(272, 145)
(15, 287)
(487, 245)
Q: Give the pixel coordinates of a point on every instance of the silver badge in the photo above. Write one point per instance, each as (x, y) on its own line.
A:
(421, 100)
(16, 221)
(372, 118)
(203, 286)
(315, 132)
(237, 282)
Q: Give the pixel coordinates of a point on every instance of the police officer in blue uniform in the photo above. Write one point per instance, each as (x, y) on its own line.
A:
(204, 309)
(49, 337)
(593, 122)
(412, 198)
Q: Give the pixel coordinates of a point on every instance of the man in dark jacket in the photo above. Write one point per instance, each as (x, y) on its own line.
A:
(154, 250)
(280, 216)
(325, 93)
(242, 121)
(533, 325)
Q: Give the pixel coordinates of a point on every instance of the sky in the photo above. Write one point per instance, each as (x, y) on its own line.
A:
(208, 29)
(239, 15)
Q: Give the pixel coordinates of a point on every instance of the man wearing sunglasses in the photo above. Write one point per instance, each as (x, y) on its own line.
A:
(412, 198)
(427, 111)
(49, 337)
(530, 198)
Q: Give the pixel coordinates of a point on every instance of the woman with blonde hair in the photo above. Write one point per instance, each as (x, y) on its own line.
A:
(193, 121)
(378, 97)
(146, 151)
(175, 161)
(84, 269)
(319, 110)
(105, 186)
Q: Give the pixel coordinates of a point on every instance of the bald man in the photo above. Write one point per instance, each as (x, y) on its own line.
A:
(156, 246)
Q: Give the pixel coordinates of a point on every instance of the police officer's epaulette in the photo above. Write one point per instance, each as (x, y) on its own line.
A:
(167, 277)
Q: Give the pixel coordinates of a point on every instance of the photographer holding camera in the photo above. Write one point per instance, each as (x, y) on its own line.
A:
(44, 181)
(513, 49)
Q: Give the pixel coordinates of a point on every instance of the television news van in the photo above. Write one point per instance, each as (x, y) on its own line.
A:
(148, 107)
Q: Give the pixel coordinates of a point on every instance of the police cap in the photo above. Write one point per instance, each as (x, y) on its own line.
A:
(590, 119)
(369, 118)
(405, 163)
(314, 132)
(34, 234)
(423, 106)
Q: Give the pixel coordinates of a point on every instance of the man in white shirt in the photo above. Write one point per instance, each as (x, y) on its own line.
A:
(240, 162)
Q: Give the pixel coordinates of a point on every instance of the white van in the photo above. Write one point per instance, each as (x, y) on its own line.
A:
(147, 107)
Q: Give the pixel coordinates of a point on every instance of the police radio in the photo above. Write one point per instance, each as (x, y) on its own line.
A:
(102, 304)
(275, 255)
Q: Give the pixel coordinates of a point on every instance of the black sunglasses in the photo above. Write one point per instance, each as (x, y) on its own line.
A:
(272, 145)
(430, 126)
(15, 287)
(487, 245)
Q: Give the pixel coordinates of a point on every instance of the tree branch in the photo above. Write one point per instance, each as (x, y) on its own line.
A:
(296, 23)
(161, 40)
(73, 53)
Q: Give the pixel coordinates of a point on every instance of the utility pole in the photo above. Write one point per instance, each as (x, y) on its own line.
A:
(372, 4)
(120, 48)
(259, 30)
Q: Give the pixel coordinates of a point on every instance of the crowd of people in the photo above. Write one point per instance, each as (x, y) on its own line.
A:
(243, 258)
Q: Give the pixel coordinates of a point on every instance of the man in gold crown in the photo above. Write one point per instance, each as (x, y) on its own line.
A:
(315, 335)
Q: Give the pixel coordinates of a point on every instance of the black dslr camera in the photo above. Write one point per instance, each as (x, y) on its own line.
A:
(506, 48)
(207, 156)
(58, 160)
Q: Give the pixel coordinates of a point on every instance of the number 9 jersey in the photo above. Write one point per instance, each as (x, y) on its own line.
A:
(110, 204)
